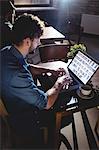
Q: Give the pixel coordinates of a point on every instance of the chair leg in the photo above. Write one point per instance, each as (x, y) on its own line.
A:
(45, 135)
(65, 141)
(96, 129)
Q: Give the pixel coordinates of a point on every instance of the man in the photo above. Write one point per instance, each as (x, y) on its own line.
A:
(22, 98)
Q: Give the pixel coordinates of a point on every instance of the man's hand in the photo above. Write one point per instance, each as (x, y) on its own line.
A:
(63, 81)
(55, 90)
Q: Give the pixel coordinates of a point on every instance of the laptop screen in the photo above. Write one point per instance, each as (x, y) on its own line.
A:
(83, 67)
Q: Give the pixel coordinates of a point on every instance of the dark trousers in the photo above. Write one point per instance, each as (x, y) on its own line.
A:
(28, 130)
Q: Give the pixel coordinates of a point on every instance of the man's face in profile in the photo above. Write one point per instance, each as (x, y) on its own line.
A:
(34, 44)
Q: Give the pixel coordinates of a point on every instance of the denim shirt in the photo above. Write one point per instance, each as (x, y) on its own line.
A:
(18, 91)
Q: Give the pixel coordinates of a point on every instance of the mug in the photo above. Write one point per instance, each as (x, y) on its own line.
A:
(86, 90)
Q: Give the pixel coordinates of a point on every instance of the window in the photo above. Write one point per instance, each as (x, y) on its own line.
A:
(33, 2)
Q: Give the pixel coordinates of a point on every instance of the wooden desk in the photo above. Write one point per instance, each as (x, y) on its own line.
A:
(61, 64)
(51, 34)
(56, 64)
(80, 105)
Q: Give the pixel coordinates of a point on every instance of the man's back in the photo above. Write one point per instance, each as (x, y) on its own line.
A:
(9, 68)
(17, 87)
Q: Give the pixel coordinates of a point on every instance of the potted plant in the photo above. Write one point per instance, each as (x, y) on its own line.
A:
(75, 48)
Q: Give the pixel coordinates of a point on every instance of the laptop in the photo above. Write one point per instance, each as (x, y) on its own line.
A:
(81, 69)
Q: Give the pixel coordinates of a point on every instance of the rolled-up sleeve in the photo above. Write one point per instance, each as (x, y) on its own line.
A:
(23, 88)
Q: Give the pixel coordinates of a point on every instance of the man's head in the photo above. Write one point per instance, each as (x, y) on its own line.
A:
(27, 30)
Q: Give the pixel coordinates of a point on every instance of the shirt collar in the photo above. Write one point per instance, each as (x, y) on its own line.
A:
(18, 55)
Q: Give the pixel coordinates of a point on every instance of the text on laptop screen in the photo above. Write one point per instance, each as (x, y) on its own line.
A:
(83, 67)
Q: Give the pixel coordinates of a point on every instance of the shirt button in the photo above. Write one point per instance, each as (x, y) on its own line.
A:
(35, 112)
(38, 122)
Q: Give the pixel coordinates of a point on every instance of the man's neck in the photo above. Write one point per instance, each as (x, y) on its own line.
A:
(22, 50)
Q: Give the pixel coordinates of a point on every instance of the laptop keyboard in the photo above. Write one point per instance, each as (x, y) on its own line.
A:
(73, 83)
(73, 86)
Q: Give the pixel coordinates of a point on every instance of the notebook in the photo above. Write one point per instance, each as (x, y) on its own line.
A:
(82, 68)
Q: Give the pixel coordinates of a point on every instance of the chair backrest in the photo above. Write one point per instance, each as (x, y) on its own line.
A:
(53, 52)
(9, 136)
(3, 111)
(5, 132)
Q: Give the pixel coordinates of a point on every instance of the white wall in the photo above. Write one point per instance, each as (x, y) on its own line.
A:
(90, 23)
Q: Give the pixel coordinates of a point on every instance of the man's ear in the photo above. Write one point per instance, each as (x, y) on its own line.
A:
(27, 41)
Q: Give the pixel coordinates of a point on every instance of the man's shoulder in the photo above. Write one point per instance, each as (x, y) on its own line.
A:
(5, 49)
(7, 58)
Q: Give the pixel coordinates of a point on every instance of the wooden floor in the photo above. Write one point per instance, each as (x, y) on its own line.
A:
(86, 137)
(85, 134)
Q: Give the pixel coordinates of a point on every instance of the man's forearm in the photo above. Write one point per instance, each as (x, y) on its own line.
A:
(53, 94)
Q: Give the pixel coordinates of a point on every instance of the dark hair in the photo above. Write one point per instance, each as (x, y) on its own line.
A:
(26, 25)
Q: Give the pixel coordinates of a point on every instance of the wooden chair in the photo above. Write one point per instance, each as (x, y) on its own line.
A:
(9, 139)
(3, 111)
(5, 129)
(52, 52)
